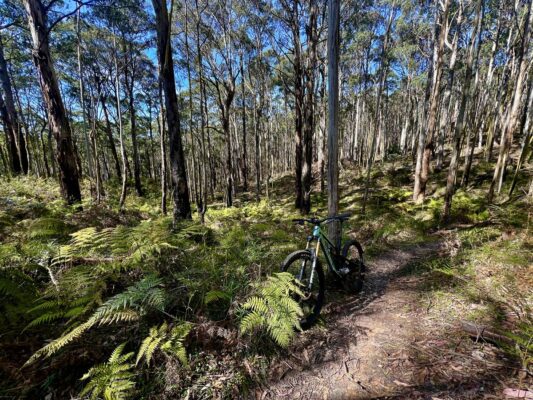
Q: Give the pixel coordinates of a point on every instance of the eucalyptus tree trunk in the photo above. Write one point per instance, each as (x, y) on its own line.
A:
(459, 130)
(129, 81)
(333, 112)
(12, 152)
(309, 106)
(298, 102)
(120, 130)
(446, 98)
(476, 112)
(422, 168)
(161, 123)
(206, 157)
(514, 113)
(108, 129)
(257, 123)
(57, 116)
(82, 97)
(244, 155)
(17, 151)
(180, 189)
(225, 108)
(197, 184)
(383, 69)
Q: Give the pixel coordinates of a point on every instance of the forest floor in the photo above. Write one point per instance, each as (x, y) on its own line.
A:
(403, 337)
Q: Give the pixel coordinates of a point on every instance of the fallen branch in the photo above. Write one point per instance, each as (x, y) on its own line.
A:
(484, 333)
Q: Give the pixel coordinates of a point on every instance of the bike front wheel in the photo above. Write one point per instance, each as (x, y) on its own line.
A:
(300, 265)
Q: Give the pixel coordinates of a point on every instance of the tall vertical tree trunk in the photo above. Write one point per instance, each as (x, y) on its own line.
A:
(475, 113)
(82, 97)
(460, 123)
(12, 152)
(383, 70)
(206, 158)
(109, 132)
(161, 123)
(422, 170)
(180, 190)
(196, 183)
(18, 154)
(514, 113)
(244, 155)
(59, 124)
(120, 130)
(333, 121)
(257, 124)
(309, 107)
(298, 104)
(129, 80)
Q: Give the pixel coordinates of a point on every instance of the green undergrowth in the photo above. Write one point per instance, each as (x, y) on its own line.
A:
(127, 302)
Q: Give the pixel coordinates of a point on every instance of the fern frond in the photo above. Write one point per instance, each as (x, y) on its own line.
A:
(113, 380)
(274, 309)
(215, 295)
(123, 307)
(168, 340)
(57, 344)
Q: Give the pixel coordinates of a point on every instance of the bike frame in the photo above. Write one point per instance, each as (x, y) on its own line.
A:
(325, 243)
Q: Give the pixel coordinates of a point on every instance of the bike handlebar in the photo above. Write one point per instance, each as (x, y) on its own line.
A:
(316, 221)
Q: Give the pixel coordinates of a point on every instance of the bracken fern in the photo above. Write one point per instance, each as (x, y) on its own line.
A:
(167, 339)
(123, 307)
(273, 309)
(112, 380)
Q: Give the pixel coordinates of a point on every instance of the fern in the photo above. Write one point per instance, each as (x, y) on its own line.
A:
(125, 246)
(113, 380)
(215, 295)
(273, 309)
(47, 228)
(123, 307)
(168, 340)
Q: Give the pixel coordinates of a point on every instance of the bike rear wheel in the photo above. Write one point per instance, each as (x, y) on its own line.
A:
(300, 265)
(353, 253)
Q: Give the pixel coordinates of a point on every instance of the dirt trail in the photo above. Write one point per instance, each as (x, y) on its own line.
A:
(383, 345)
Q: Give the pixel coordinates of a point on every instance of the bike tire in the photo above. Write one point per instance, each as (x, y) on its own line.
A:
(318, 289)
(353, 252)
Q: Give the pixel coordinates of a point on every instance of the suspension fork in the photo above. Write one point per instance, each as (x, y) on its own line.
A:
(302, 268)
(315, 260)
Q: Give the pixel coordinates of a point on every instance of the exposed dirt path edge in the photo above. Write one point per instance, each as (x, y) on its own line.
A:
(365, 350)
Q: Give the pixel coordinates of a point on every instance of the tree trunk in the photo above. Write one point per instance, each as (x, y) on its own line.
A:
(383, 69)
(161, 123)
(59, 124)
(422, 175)
(333, 121)
(180, 190)
(13, 155)
(82, 97)
(129, 80)
(460, 123)
(298, 104)
(514, 113)
(109, 131)
(309, 108)
(244, 155)
(120, 130)
(18, 154)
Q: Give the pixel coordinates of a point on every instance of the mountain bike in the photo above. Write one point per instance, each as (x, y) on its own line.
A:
(344, 259)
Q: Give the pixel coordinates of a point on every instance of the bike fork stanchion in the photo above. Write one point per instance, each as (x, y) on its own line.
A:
(313, 268)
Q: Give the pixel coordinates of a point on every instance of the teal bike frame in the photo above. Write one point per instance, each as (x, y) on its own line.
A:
(326, 245)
